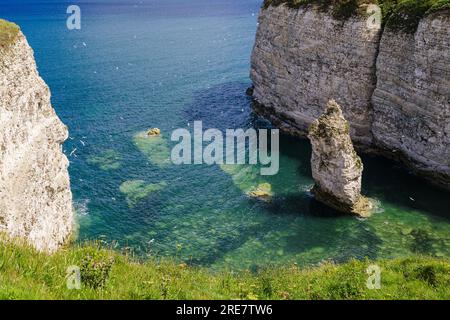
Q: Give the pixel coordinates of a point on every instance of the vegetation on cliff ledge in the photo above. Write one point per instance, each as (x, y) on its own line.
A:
(106, 274)
(399, 15)
(406, 15)
(8, 32)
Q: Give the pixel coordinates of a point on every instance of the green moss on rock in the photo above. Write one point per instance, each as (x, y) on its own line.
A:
(398, 15)
(8, 32)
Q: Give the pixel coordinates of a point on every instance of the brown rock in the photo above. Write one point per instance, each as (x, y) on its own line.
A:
(154, 132)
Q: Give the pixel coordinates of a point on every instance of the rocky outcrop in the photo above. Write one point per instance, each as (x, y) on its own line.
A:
(262, 192)
(411, 102)
(35, 196)
(336, 168)
(393, 86)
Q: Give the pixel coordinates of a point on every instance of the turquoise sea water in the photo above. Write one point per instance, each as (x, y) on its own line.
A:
(165, 63)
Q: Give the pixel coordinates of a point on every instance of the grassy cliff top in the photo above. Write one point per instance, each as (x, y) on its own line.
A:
(405, 15)
(106, 274)
(399, 15)
(8, 32)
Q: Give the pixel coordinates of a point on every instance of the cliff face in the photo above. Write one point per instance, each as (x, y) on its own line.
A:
(35, 196)
(302, 58)
(411, 102)
(393, 87)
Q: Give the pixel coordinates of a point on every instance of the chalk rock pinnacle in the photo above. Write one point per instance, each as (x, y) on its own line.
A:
(336, 168)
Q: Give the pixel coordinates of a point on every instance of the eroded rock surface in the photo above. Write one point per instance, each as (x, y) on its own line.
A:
(336, 168)
(35, 196)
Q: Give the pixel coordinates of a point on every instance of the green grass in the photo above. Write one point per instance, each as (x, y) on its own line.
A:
(398, 15)
(8, 32)
(407, 14)
(106, 274)
(340, 9)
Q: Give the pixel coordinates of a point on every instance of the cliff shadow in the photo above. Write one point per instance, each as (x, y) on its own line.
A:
(390, 181)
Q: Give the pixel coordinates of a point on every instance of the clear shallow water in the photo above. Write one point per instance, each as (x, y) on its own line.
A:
(165, 64)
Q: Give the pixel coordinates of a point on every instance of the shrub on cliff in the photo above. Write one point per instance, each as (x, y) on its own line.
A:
(95, 267)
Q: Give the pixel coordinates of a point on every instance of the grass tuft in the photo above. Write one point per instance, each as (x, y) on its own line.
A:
(8, 32)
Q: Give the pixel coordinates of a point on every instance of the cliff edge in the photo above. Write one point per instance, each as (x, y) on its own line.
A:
(35, 196)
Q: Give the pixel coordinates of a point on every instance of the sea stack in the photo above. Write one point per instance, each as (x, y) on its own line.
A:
(35, 196)
(336, 168)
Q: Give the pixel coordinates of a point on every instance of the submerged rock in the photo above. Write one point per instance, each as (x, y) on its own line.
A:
(262, 192)
(154, 132)
(249, 91)
(155, 148)
(336, 168)
(107, 160)
(137, 190)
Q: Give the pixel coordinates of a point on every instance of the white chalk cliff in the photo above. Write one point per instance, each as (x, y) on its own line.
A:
(35, 196)
(411, 102)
